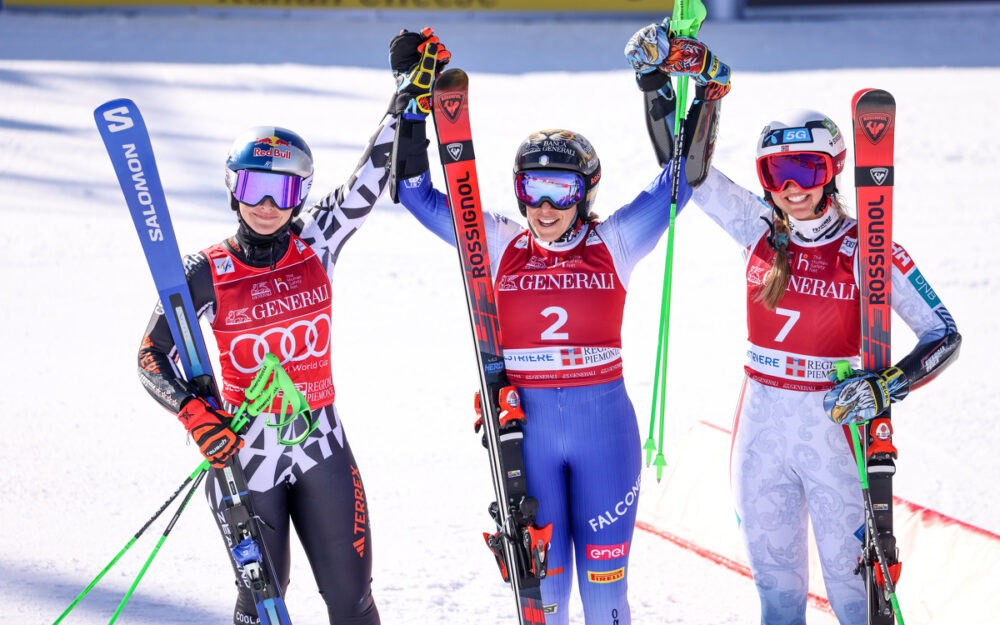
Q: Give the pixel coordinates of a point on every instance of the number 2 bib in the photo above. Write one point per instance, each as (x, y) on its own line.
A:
(560, 313)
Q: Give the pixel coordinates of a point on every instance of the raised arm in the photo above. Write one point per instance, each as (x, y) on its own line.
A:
(330, 222)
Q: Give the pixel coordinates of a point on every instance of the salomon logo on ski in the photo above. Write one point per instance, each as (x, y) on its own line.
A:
(119, 119)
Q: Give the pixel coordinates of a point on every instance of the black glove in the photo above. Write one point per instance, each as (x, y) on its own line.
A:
(416, 60)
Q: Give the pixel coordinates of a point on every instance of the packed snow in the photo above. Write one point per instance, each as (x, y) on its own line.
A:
(92, 456)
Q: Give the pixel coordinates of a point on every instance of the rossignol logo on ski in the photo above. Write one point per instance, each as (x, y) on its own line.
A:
(452, 106)
(877, 276)
(471, 223)
(879, 174)
(874, 125)
(455, 150)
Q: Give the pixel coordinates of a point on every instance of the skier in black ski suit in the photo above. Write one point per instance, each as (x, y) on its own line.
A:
(267, 289)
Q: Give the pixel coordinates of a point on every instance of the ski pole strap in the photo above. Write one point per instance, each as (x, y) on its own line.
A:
(271, 380)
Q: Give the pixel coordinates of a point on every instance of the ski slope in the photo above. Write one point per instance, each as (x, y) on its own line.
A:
(90, 456)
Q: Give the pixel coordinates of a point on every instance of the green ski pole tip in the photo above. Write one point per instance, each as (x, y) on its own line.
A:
(649, 448)
(660, 463)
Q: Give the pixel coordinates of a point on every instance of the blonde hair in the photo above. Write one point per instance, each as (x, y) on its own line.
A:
(776, 279)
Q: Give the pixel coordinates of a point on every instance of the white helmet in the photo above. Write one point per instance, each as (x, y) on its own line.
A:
(802, 130)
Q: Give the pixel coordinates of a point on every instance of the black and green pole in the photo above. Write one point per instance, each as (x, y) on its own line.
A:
(270, 383)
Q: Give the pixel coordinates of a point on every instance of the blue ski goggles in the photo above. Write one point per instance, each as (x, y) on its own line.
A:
(562, 189)
(253, 187)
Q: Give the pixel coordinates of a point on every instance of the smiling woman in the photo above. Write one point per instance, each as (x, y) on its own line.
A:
(560, 288)
(789, 461)
(267, 290)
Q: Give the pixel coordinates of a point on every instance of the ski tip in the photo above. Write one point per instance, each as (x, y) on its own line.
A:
(874, 96)
(116, 103)
(451, 79)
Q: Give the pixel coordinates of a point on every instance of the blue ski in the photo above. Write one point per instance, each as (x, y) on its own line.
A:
(127, 142)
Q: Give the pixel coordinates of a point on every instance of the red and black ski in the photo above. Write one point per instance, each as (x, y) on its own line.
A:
(519, 545)
(874, 114)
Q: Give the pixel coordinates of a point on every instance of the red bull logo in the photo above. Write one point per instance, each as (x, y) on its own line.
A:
(272, 141)
(273, 147)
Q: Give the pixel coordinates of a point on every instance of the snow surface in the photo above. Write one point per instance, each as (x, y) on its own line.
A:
(91, 456)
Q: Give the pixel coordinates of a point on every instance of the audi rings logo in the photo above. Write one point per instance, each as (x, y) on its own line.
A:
(301, 340)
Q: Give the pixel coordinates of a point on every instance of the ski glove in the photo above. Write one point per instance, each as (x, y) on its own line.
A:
(210, 429)
(416, 60)
(864, 395)
(652, 48)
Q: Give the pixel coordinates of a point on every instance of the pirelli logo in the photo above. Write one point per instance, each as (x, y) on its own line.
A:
(606, 577)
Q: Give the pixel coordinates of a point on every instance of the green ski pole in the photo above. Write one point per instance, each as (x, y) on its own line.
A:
(686, 20)
(201, 471)
(129, 544)
(270, 382)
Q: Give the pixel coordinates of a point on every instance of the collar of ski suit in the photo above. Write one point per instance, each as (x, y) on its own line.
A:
(812, 230)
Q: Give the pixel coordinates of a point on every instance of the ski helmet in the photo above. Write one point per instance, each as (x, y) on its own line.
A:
(270, 149)
(561, 150)
(802, 130)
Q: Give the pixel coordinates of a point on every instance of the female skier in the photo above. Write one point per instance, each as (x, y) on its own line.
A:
(803, 313)
(267, 289)
(560, 287)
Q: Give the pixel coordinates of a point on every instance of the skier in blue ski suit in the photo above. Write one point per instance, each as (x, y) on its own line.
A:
(560, 288)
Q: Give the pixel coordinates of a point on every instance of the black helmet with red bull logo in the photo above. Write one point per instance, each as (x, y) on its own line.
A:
(270, 149)
(560, 150)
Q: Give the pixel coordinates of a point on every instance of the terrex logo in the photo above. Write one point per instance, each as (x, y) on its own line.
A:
(360, 513)
(874, 125)
(452, 106)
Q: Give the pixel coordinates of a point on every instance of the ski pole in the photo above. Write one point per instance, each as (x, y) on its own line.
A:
(201, 471)
(267, 383)
(128, 545)
(685, 22)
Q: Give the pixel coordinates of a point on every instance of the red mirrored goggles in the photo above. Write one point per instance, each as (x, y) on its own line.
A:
(806, 169)
(252, 187)
(562, 189)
